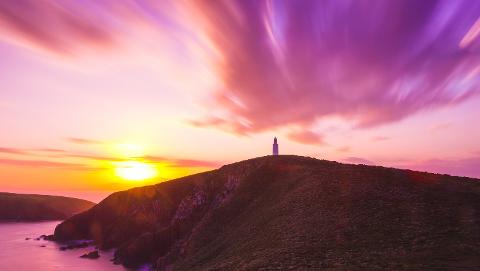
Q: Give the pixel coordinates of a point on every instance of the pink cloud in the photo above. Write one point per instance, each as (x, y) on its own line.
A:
(59, 27)
(59, 152)
(21, 151)
(51, 150)
(93, 157)
(344, 149)
(43, 163)
(175, 162)
(181, 162)
(306, 137)
(285, 63)
(13, 151)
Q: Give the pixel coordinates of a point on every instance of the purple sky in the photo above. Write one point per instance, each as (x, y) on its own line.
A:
(392, 83)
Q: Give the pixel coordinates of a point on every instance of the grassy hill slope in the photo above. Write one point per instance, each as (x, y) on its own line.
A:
(290, 212)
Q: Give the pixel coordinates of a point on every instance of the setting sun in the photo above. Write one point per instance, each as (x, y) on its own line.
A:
(135, 171)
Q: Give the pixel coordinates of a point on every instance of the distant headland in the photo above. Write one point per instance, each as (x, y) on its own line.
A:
(31, 207)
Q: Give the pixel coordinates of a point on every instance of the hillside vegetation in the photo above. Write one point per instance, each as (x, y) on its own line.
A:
(291, 213)
(29, 207)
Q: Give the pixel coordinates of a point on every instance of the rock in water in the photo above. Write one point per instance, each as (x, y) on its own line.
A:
(76, 245)
(91, 255)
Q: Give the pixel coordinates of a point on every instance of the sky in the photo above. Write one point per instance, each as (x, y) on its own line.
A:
(96, 93)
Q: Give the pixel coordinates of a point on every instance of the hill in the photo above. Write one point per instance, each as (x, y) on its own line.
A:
(290, 212)
(29, 207)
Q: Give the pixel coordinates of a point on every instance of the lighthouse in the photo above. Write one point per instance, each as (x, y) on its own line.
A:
(275, 146)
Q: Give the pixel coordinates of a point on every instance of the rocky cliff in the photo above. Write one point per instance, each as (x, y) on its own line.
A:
(290, 212)
(30, 207)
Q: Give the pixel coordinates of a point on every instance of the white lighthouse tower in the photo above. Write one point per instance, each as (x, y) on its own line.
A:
(275, 146)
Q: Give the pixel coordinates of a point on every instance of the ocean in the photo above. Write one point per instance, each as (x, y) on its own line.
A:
(19, 254)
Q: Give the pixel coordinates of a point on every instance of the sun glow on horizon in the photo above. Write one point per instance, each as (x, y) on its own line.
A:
(135, 171)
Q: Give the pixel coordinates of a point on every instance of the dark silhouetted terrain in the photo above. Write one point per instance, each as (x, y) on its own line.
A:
(290, 212)
(29, 207)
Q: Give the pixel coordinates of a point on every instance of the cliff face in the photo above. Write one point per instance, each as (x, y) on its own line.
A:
(29, 207)
(291, 212)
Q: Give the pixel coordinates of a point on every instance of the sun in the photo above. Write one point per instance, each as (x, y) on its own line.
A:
(135, 171)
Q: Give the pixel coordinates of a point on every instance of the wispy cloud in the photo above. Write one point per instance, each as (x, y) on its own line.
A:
(13, 151)
(58, 27)
(63, 154)
(306, 137)
(79, 140)
(380, 69)
(58, 153)
(51, 150)
(344, 149)
(181, 162)
(33, 152)
(94, 157)
(44, 163)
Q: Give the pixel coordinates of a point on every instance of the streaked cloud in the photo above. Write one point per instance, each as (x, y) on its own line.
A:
(44, 163)
(50, 150)
(64, 155)
(21, 151)
(344, 149)
(12, 151)
(182, 162)
(471, 35)
(93, 157)
(366, 62)
(59, 27)
(306, 137)
(352, 74)
(78, 140)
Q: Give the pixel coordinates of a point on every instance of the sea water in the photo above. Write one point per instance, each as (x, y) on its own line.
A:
(19, 254)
